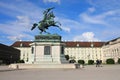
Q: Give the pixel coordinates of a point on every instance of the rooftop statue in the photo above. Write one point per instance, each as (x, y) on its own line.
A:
(47, 21)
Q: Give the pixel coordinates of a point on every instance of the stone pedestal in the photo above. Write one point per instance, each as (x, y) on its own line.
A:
(48, 49)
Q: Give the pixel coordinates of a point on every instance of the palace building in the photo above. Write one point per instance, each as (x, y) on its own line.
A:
(78, 50)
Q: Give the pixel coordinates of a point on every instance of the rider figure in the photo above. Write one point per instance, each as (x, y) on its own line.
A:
(47, 14)
(51, 17)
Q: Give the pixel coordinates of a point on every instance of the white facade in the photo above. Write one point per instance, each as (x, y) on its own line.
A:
(25, 49)
(112, 49)
(78, 52)
(25, 53)
(84, 53)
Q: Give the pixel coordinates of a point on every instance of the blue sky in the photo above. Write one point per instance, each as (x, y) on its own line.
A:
(82, 20)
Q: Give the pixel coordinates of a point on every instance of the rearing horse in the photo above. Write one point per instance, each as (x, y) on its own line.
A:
(47, 22)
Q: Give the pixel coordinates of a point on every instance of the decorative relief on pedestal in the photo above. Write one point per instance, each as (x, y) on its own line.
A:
(48, 38)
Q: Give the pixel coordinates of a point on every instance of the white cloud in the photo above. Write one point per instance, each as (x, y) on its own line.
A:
(17, 29)
(105, 4)
(92, 9)
(16, 38)
(98, 18)
(86, 36)
(21, 7)
(67, 29)
(69, 24)
(91, 19)
(53, 1)
(24, 15)
(23, 21)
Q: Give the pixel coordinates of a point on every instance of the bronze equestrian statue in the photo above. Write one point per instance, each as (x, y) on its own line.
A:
(48, 21)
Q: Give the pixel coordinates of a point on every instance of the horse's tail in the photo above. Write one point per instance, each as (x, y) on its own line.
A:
(34, 25)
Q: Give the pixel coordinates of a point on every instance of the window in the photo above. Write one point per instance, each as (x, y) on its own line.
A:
(47, 50)
(21, 45)
(32, 50)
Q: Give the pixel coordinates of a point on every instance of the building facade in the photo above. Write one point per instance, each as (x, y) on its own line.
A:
(8, 54)
(111, 49)
(25, 49)
(84, 50)
(76, 50)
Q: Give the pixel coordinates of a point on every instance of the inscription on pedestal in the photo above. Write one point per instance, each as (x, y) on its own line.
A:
(48, 38)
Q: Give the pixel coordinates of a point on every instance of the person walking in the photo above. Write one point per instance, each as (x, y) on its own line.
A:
(100, 63)
(97, 63)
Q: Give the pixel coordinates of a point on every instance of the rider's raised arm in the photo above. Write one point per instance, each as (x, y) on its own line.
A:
(47, 10)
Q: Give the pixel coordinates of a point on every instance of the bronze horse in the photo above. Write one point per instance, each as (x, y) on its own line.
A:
(47, 22)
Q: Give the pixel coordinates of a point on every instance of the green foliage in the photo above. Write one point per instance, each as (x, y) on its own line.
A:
(21, 61)
(81, 61)
(90, 62)
(72, 61)
(118, 61)
(67, 57)
(110, 61)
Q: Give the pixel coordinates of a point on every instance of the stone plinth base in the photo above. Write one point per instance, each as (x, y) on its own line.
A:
(32, 66)
(47, 49)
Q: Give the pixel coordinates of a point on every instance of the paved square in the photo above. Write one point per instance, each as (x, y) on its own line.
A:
(107, 72)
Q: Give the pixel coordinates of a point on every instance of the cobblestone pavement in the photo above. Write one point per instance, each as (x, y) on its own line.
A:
(107, 72)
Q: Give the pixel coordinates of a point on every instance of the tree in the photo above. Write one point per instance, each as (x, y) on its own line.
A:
(72, 61)
(90, 62)
(110, 61)
(67, 57)
(81, 61)
(118, 61)
(21, 61)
